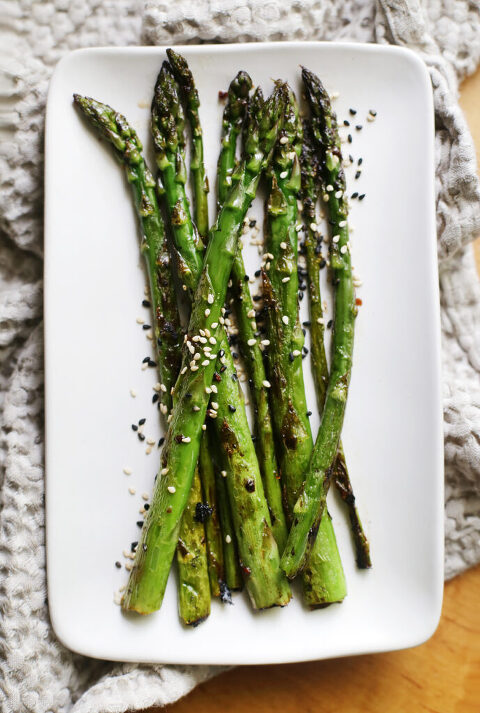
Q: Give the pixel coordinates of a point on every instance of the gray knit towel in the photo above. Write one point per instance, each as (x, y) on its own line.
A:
(37, 674)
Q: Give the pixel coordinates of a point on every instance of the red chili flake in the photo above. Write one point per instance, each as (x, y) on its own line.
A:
(222, 95)
(358, 302)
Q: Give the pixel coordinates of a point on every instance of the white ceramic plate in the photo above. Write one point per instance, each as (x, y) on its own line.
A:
(94, 348)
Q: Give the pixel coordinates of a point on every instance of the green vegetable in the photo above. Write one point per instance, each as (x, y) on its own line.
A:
(308, 510)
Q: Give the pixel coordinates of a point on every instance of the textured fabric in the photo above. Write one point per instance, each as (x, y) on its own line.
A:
(36, 673)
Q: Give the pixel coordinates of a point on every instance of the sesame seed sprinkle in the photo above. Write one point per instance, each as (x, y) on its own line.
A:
(228, 539)
(266, 384)
(171, 489)
(285, 319)
(127, 471)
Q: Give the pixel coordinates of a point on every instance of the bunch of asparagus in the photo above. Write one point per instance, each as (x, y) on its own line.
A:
(238, 509)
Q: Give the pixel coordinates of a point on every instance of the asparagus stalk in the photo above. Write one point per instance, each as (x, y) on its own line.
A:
(257, 547)
(168, 124)
(323, 579)
(311, 178)
(233, 117)
(308, 509)
(154, 554)
(185, 79)
(191, 552)
(233, 574)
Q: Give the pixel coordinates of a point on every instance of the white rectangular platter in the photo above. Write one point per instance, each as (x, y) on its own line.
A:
(94, 285)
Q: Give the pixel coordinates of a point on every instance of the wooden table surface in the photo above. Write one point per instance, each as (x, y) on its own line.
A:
(442, 676)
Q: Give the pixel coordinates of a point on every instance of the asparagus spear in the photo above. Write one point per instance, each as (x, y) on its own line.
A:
(185, 79)
(191, 552)
(168, 126)
(233, 117)
(323, 579)
(308, 509)
(149, 575)
(311, 177)
(233, 574)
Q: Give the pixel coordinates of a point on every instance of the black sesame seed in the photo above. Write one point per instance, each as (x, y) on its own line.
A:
(134, 427)
(309, 413)
(360, 161)
(234, 377)
(349, 138)
(256, 298)
(354, 195)
(146, 506)
(246, 278)
(155, 398)
(307, 323)
(372, 112)
(235, 355)
(353, 111)
(152, 363)
(346, 123)
(231, 408)
(350, 157)
(161, 441)
(323, 262)
(358, 174)
(139, 523)
(146, 360)
(118, 565)
(305, 350)
(144, 547)
(317, 249)
(141, 437)
(142, 422)
(360, 198)
(359, 127)
(159, 342)
(290, 356)
(252, 223)
(145, 303)
(146, 326)
(250, 485)
(133, 546)
(300, 296)
(257, 273)
(329, 323)
(221, 353)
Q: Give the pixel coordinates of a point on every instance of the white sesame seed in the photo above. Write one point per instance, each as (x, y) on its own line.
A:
(334, 95)
(212, 340)
(163, 388)
(133, 393)
(214, 389)
(326, 197)
(145, 496)
(335, 239)
(208, 389)
(163, 408)
(207, 312)
(164, 471)
(251, 314)
(223, 473)
(205, 362)
(296, 353)
(129, 566)
(194, 368)
(343, 249)
(140, 320)
(284, 174)
(338, 194)
(132, 491)
(283, 245)
(212, 356)
(151, 441)
(127, 471)
(196, 408)
(202, 340)
(370, 117)
(157, 386)
(186, 439)
(210, 299)
(214, 405)
(196, 357)
(342, 224)
(171, 489)
(266, 384)
(184, 288)
(251, 342)
(329, 188)
(212, 414)
(320, 320)
(204, 428)
(285, 279)
(285, 319)
(267, 266)
(283, 140)
(191, 348)
(298, 228)
(313, 226)
(265, 342)
(214, 325)
(148, 450)
(228, 539)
